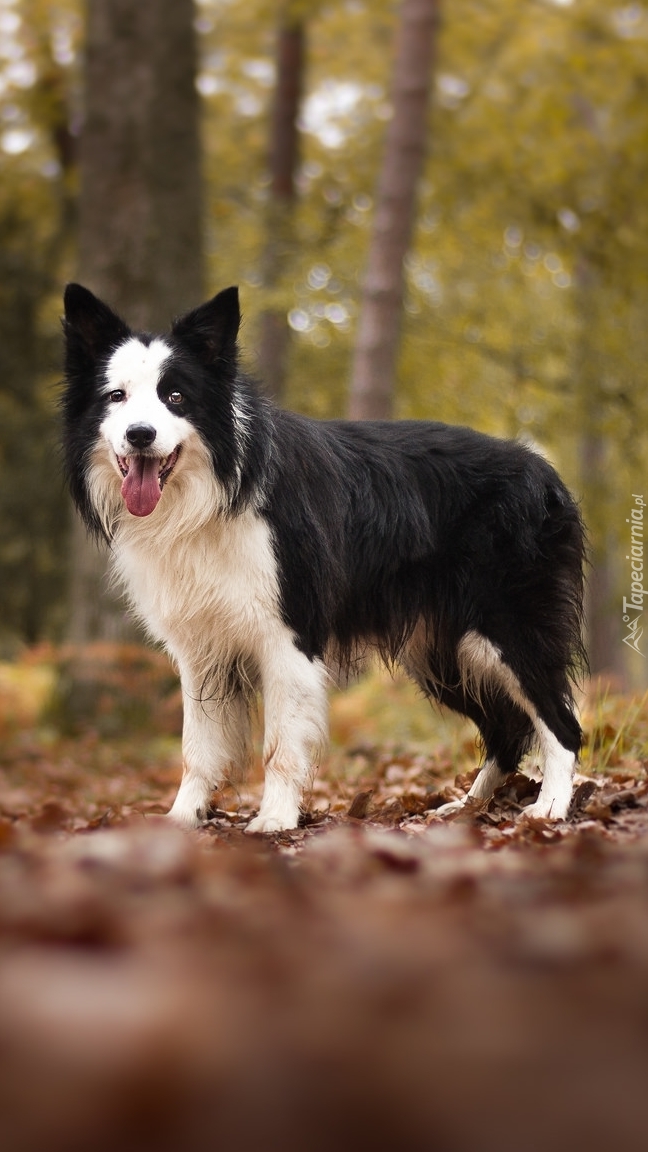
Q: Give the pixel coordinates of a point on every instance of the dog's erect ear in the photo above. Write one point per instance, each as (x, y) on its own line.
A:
(211, 330)
(91, 321)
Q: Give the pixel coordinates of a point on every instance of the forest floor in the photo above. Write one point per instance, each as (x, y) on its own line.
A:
(379, 977)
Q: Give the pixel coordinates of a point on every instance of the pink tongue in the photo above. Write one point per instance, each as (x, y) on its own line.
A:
(141, 487)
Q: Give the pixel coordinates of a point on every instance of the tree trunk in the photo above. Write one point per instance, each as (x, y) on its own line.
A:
(376, 350)
(602, 602)
(140, 205)
(283, 160)
(603, 623)
(140, 211)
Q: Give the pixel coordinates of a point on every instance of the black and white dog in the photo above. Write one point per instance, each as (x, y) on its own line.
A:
(265, 549)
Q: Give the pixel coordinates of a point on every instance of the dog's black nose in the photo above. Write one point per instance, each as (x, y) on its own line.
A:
(140, 435)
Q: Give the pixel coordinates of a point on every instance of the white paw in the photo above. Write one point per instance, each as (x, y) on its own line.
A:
(272, 823)
(185, 817)
(548, 808)
(450, 808)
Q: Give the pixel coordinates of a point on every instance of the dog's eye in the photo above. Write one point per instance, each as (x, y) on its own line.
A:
(175, 397)
(117, 395)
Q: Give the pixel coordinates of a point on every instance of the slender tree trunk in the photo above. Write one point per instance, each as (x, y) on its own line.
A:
(283, 161)
(602, 603)
(140, 205)
(377, 342)
(603, 622)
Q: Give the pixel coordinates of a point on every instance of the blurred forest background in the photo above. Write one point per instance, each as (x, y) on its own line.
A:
(433, 209)
(159, 151)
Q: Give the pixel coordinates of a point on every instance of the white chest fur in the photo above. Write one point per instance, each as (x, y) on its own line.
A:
(210, 595)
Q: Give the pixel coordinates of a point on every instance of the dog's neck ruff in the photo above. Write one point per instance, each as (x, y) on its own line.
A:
(191, 499)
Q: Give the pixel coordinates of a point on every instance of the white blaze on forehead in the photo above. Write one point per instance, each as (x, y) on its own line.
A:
(134, 370)
(135, 366)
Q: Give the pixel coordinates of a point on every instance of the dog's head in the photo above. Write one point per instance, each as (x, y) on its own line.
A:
(137, 409)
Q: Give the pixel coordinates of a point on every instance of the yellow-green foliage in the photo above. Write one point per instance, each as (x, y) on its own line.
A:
(616, 733)
(527, 282)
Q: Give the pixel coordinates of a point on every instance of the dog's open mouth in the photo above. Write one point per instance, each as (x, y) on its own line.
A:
(144, 479)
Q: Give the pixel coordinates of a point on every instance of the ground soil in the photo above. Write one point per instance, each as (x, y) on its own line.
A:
(377, 978)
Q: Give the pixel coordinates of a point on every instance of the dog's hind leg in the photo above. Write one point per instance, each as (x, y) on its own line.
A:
(505, 730)
(557, 731)
(489, 777)
(557, 777)
(215, 745)
(296, 722)
(507, 734)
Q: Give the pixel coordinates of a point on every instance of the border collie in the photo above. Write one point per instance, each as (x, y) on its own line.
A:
(267, 550)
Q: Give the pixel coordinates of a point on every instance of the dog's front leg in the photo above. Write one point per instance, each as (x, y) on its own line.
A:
(296, 723)
(215, 744)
